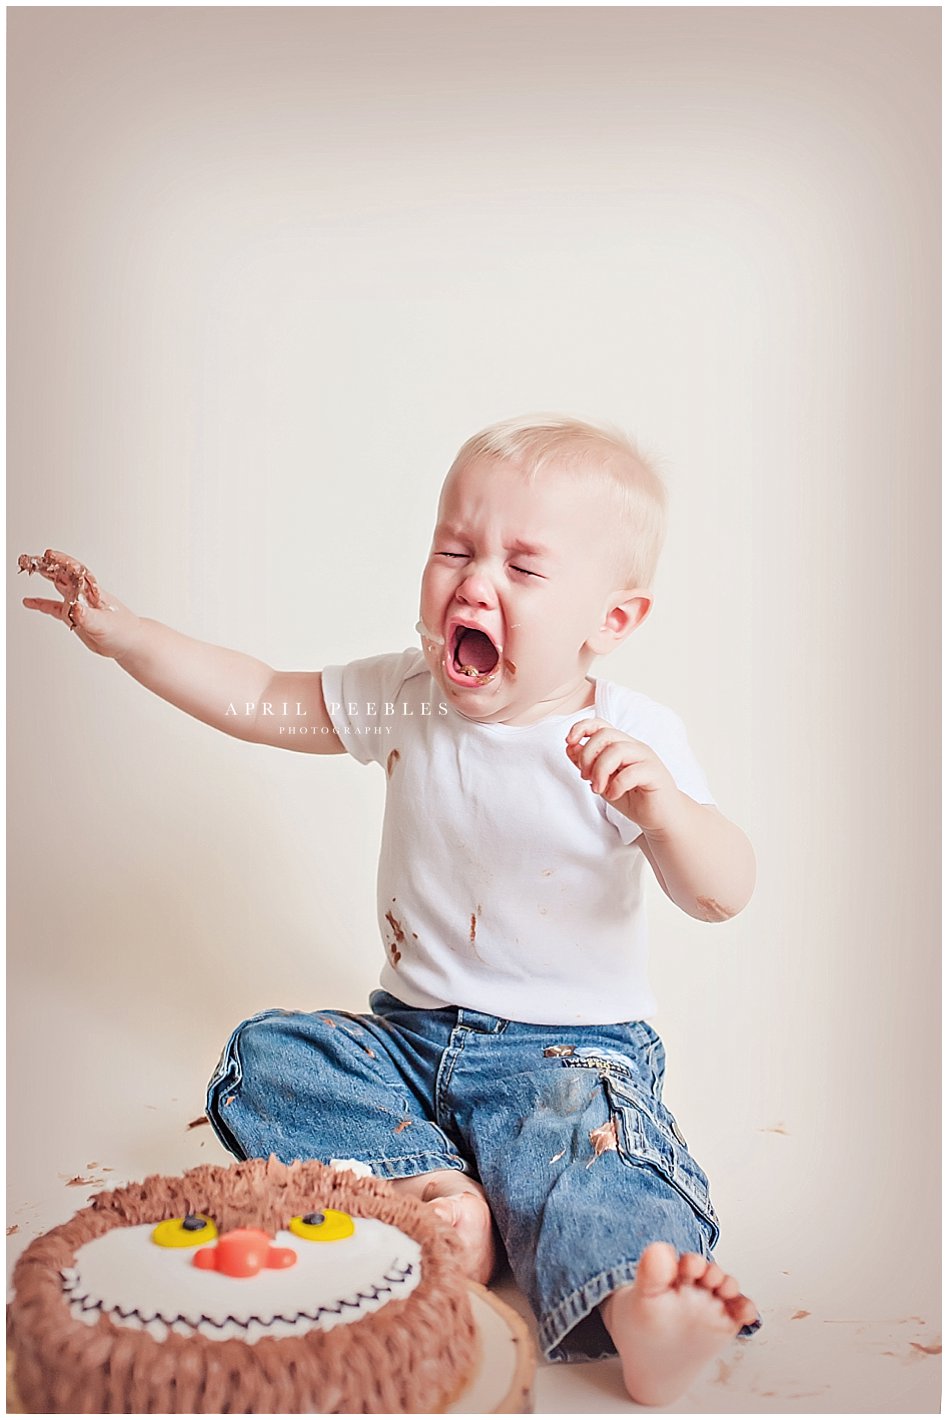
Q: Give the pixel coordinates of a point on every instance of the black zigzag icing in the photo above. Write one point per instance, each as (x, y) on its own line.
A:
(354, 1304)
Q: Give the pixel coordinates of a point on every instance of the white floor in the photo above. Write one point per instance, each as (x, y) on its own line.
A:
(827, 1345)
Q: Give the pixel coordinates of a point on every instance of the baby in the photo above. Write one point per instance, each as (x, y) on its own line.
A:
(507, 1075)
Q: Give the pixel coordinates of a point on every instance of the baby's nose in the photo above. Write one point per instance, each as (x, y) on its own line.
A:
(477, 587)
(243, 1252)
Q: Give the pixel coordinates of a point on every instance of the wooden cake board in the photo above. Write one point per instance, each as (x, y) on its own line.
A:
(503, 1381)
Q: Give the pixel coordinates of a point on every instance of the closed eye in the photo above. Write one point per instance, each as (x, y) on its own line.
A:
(522, 570)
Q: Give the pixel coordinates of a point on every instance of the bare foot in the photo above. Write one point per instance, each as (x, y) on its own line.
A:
(677, 1315)
(456, 1197)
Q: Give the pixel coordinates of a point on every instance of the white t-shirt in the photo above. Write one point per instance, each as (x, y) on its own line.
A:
(504, 884)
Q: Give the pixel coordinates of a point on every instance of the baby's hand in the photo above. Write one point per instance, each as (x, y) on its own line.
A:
(627, 773)
(99, 619)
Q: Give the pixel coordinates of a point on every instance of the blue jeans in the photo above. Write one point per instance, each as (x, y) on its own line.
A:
(582, 1164)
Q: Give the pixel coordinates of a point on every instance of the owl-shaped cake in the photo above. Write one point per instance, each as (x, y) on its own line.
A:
(260, 1288)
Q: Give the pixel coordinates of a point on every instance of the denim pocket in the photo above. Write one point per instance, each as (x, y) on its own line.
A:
(647, 1132)
(598, 1058)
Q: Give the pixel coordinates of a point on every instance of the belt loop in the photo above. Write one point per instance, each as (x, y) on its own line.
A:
(480, 1022)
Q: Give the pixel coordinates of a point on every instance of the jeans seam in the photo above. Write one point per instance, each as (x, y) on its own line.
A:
(449, 1059)
(430, 1161)
(229, 1061)
(698, 1195)
(229, 1140)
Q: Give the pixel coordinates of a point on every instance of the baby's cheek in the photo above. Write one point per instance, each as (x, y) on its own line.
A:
(431, 587)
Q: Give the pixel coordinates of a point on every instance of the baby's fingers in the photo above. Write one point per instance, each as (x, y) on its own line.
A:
(603, 753)
(71, 613)
(68, 574)
(74, 569)
(633, 776)
(611, 759)
(582, 728)
(51, 608)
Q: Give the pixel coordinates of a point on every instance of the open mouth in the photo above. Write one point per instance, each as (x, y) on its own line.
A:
(473, 659)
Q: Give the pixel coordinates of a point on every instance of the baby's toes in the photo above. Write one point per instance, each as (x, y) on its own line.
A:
(712, 1277)
(741, 1310)
(657, 1269)
(691, 1266)
(728, 1289)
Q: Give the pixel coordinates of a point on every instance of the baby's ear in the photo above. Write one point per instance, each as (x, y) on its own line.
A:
(626, 611)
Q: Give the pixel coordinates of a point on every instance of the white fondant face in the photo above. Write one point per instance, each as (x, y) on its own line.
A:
(138, 1284)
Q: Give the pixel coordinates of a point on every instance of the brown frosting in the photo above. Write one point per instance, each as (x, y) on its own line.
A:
(413, 1355)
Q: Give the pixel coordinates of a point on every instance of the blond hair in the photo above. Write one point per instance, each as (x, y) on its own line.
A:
(599, 453)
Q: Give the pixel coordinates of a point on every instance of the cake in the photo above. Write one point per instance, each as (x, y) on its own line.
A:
(256, 1288)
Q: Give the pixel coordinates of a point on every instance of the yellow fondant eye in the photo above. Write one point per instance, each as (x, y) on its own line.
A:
(185, 1232)
(326, 1225)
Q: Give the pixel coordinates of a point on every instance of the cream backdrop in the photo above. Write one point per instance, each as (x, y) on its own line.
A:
(267, 270)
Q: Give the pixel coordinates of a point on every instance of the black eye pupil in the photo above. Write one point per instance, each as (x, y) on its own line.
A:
(314, 1219)
(192, 1223)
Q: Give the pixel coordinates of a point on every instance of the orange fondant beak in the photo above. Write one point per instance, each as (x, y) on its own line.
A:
(243, 1253)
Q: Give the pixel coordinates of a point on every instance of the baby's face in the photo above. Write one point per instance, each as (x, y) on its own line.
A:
(531, 568)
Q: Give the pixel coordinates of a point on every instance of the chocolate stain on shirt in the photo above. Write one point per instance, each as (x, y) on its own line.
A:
(394, 947)
(473, 932)
(391, 762)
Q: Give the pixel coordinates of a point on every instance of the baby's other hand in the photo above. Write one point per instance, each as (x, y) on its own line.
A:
(627, 773)
(98, 618)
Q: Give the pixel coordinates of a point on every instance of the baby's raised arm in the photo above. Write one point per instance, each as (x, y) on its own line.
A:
(228, 690)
